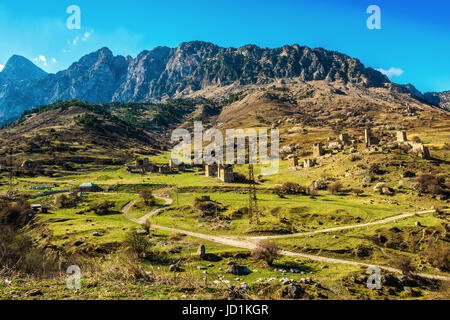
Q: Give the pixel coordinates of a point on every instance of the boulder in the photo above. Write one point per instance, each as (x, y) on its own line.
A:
(238, 270)
(292, 291)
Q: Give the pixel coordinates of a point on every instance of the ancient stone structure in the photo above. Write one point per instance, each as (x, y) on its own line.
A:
(335, 145)
(201, 251)
(292, 162)
(367, 136)
(308, 163)
(225, 173)
(317, 150)
(369, 139)
(164, 169)
(211, 170)
(344, 139)
(401, 136)
(420, 150)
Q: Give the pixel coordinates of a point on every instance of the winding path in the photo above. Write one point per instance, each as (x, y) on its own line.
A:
(251, 242)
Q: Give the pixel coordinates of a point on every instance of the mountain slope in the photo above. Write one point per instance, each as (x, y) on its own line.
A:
(164, 72)
(441, 99)
(19, 68)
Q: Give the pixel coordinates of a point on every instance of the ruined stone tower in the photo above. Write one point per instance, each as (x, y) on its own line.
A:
(401, 136)
(317, 150)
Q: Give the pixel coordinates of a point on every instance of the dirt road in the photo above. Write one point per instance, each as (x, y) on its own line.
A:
(251, 242)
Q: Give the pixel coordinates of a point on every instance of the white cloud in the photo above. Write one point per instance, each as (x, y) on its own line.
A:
(392, 72)
(41, 59)
(54, 60)
(75, 41)
(1, 67)
(87, 35)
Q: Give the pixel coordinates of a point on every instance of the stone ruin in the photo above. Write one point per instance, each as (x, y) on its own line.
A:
(344, 139)
(369, 139)
(164, 169)
(318, 150)
(416, 147)
(420, 150)
(143, 165)
(177, 167)
(292, 162)
(309, 163)
(401, 136)
(223, 172)
(211, 170)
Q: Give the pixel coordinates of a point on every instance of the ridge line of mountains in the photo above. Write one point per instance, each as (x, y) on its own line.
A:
(166, 72)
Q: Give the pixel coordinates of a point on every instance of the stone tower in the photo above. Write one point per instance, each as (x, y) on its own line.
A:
(317, 150)
(292, 161)
(401, 136)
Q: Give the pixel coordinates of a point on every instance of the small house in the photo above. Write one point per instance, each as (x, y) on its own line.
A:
(88, 187)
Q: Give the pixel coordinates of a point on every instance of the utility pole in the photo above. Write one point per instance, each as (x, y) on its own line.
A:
(10, 165)
(253, 201)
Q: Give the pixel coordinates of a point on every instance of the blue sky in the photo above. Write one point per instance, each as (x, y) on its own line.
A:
(413, 43)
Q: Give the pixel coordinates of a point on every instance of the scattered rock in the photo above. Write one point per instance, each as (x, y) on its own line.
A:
(292, 291)
(78, 243)
(238, 270)
(35, 293)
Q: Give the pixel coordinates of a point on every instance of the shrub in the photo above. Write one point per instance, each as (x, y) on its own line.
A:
(335, 187)
(15, 215)
(102, 207)
(290, 188)
(147, 225)
(427, 183)
(147, 196)
(357, 192)
(403, 263)
(136, 243)
(267, 251)
(206, 207)
(439, 257)
(64, 201)
(355, 157)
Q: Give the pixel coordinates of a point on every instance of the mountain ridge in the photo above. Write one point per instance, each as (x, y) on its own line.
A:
(163, 72)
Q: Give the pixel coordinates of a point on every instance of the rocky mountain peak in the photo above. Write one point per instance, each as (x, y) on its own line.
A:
(19, 68)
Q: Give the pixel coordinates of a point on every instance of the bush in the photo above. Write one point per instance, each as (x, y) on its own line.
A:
(289, 188)
(403, 263)
(267, 251)
(426, 183)
(15, 215)
(17, 253)
(63, 201)
(335, 187)
(206, 207)
(147, 196)
(439, 257)
(136, 243)
(102, 207)
(357, 192)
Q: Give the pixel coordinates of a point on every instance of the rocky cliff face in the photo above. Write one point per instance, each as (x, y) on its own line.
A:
(163, 72)
(441, 99)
